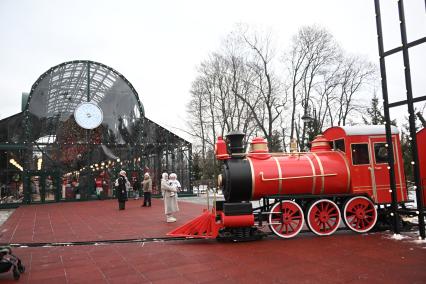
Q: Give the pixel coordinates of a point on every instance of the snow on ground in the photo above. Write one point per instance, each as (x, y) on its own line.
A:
(411, 237)
(4, 215)
(399, 237)
(202, 198)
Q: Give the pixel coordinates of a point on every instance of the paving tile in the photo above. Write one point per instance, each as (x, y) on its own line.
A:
(129, 279)
(205, 276)
(120, 271)
(46, 274)
(147, 267)
(88, 277)
(177, 279)
(191, 268)
(161, 274)
(55, 280)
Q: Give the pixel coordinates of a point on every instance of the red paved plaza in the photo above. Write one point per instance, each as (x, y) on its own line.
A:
(342, 258)
(90, 221)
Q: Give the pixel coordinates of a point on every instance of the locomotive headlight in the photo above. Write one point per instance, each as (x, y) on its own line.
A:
(219, 180)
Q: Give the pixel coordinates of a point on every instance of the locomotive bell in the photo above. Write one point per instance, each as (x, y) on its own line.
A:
(235, 142)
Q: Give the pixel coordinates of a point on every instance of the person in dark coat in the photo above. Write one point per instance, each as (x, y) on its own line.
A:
(121, 190)
(147, 190)
(137, 188)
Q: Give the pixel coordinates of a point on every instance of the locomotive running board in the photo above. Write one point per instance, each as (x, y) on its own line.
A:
(202, 227)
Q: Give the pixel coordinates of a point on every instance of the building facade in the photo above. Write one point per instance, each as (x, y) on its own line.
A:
(81, 123)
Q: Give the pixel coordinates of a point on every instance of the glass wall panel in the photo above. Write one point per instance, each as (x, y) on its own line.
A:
(11, 176)
(12, 129)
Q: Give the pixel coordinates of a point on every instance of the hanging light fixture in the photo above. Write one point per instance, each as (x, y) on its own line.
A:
(306, 118)
(39, 163)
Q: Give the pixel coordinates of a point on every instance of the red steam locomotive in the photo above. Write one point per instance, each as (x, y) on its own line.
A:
(344, 176)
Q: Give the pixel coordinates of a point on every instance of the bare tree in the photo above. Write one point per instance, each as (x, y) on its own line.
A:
(239, 79)
(215, 108)
(197, 119)
(356, 73)
(323, 81)
(325, 96)
(295, 62)
(312, 54)
(266, 101)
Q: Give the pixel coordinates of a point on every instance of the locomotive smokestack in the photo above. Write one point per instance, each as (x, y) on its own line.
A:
(235, 142)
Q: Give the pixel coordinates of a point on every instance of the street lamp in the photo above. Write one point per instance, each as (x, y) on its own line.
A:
(306, 118)
(283, 130)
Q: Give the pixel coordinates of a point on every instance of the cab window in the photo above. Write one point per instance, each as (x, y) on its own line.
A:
(339, 145)
(380, 153)
(360, 154)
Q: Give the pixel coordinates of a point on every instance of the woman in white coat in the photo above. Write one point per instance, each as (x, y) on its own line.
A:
(170, 198)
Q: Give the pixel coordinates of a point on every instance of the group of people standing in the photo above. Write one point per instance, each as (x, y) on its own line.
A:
(169, 188)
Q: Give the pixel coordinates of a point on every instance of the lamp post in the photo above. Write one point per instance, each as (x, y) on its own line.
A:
(283, 130)
(307, 119)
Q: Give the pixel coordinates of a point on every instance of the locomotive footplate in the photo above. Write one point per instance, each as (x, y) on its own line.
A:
(241, 234)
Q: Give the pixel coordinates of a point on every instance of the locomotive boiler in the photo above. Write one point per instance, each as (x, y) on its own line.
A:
(260, 173)
(343, 177)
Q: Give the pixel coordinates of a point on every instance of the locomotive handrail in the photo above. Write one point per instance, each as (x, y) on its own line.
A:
(297, 177)
(279, 154)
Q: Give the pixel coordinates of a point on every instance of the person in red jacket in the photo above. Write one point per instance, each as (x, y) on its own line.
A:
(99, 189)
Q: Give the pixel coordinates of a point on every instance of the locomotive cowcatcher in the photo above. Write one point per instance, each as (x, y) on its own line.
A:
(345, 176)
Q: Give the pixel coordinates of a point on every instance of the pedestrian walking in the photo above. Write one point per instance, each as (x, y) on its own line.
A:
(136, 188)
(170, 202)
(147, 190)
(99, 189)
(121, 192)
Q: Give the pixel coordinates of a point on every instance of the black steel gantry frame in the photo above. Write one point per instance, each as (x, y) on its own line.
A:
(410, 104)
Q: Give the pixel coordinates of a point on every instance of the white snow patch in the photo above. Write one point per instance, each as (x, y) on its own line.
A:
(412, 237)
(420, 242)
(5, 214)
(399, 237)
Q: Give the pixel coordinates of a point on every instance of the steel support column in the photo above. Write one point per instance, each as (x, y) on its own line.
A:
(412, 122)
(410, 104)
(190, 167)
(391, 164)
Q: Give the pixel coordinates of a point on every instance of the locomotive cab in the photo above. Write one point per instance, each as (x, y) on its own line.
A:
(366, 150)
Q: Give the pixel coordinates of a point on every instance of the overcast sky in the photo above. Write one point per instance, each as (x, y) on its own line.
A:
(157, 45)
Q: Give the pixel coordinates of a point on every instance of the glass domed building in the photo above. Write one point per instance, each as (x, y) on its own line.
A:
(81, 123)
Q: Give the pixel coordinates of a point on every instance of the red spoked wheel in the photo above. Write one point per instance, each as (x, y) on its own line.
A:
(360, 214)
(286, 219)
(323, 217)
